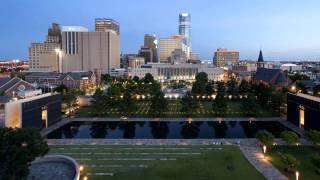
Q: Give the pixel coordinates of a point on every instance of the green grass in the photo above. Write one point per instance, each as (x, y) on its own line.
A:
(303, 154)
(174, 107)
(206, 162)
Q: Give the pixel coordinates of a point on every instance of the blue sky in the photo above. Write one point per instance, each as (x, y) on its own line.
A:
(284, 29)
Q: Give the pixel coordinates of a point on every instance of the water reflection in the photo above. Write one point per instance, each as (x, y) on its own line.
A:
(98, 129)
(190, 130)
(220, 129)
(166, 130)
(159, 130)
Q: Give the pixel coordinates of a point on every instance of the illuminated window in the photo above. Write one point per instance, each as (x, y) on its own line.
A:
(301, 117)
(44, 117)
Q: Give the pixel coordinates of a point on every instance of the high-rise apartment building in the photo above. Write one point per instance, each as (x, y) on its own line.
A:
(44, 56)
(105, 24)
(168, 45)
(185, 30)
(224, 57)
(88, 51)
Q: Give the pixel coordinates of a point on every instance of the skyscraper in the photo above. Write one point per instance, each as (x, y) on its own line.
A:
(185, 30)
(88, 51)
(43, 56)
(103, 24)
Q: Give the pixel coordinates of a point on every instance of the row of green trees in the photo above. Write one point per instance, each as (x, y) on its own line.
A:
(122, 94)
(250, 94)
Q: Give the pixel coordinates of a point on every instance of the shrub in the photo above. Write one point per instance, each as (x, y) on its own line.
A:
(289, 162)
(265, 138)
(313, 136)
(289, 137)
(316, 160)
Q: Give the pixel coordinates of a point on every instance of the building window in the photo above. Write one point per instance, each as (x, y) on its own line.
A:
(301, 117)
(44, 117)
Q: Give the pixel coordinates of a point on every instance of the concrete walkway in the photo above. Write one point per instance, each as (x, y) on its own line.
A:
(255, 156)
(45, 132)
(177, 119)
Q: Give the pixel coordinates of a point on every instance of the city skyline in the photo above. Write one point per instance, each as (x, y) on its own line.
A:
(247, 26)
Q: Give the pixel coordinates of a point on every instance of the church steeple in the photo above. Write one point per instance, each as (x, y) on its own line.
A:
(260, 63)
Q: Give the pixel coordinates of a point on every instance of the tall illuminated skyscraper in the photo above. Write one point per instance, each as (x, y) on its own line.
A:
(185, 29)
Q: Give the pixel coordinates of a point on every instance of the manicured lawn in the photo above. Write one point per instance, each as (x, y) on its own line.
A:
(303, 155)
(174, 107)
(161, 162)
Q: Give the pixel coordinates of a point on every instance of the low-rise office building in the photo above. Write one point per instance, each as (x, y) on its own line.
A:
(39, 111)
(304, 111)
(186, 72)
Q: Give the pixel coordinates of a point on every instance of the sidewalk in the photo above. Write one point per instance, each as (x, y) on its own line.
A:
(255, 156)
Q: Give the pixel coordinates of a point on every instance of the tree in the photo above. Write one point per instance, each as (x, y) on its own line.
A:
(244, 87)
(200, 85)
(158, 103)
(316, 160)
(189, 104)
(127, 105)
(301, 87)
(313, 136)
(276, 101)
(70, 98)
(289, 137)
(62, 89)
(232, 87)
(106, 78)
(221, 88)
(18, 148)
(135, 79)
(219, 104)
(290, 162)
(298, 77)
(99, 102)
(148, 78)
(249, 105)
(316, 90)
(265, 138)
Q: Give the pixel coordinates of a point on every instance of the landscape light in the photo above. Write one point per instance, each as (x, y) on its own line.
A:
(85, 178)
(264, 149)
(81, 168)
(297, 175)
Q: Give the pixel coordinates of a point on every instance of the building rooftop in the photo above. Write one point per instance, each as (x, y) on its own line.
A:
(265, 74)
(306, 96)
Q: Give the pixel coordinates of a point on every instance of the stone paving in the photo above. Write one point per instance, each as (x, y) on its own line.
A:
(256, 158)
(51, 171)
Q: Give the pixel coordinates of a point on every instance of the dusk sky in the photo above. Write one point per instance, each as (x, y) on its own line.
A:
(284, 29)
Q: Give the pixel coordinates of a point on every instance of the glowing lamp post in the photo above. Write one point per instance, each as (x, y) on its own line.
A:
(264, 148)
(297, 175)
(81, 168)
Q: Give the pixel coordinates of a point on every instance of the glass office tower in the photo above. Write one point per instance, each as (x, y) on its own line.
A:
(184, 28)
